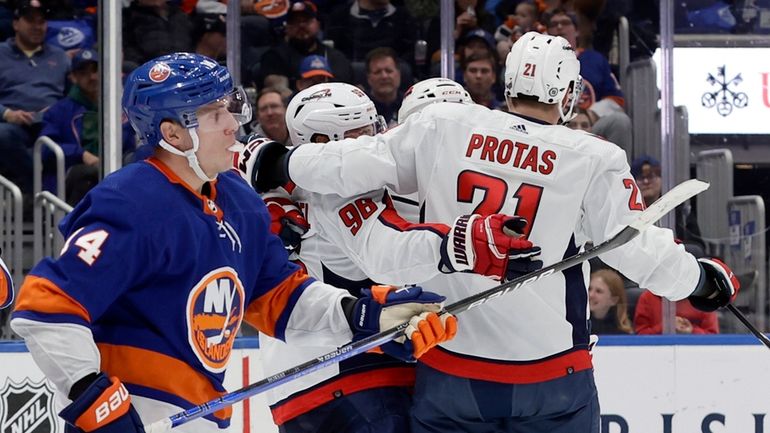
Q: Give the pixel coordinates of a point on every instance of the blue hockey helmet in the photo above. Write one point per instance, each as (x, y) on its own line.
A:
(173, 87)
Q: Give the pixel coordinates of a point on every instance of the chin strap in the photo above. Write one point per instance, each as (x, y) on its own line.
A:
(192, 159)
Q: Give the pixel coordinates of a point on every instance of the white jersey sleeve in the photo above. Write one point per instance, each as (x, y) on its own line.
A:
(386, 247)
(653, 260)
(366, 163)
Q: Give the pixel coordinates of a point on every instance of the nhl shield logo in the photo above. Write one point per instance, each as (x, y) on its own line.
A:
(27, 407)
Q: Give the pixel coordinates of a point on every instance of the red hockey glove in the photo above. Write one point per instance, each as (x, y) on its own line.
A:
(103, 407)
(384, 307)
(286, 220)
(490, 246)
(718, 287)
(262, 152)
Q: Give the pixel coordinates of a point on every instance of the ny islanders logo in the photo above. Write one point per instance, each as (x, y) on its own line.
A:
(27, 407)
(214, 315)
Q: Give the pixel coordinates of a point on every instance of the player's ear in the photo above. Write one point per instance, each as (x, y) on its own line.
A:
(174, 134)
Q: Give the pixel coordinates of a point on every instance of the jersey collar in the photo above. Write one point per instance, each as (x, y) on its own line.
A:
(207, 201)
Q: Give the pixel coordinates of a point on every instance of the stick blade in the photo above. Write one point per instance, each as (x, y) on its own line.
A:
(670, 200)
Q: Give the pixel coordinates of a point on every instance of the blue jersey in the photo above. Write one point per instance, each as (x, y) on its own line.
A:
(163, 277)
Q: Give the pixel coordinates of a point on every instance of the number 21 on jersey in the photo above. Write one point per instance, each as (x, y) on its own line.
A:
(495, 190)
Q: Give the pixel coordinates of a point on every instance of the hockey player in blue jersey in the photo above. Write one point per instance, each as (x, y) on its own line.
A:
(165, 258)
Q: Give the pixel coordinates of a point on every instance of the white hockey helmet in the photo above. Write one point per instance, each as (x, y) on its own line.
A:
(545, 67)
(430, 91)
(330, 109)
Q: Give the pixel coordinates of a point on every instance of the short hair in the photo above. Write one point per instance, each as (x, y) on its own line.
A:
(475, 57)
(268, 90)
(380, 53)
(559, 11)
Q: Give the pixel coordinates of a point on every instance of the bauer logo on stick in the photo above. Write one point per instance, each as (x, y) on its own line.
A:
(159, 72)
(214, 315)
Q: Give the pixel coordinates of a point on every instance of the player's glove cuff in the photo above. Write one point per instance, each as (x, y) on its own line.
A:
(718, 287)
(104, 406)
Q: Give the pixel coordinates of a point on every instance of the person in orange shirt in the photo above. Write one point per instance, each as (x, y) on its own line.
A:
(689, 320)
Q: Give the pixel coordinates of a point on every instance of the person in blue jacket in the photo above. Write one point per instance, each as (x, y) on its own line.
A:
(73, 123)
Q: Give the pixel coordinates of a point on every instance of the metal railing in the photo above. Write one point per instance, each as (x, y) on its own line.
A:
(52, 209)
(11, 227)
(37, 185)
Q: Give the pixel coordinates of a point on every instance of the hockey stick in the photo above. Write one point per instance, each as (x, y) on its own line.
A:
(762, 337)
(648, 217)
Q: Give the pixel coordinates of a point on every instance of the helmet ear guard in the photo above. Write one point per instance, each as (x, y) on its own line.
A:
(544, 67)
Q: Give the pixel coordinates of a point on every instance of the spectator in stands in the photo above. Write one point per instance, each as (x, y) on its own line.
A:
(209, 36)
(73, 123)
(32, 78)
(280, 64)
(364, 25)
(313, 70)
(523, 20)
(480, 75)
(384, 80)
(469, 15)
(608, 304)
(646, 170)
(689, 320)
(271, 116)
(601, 96)
(152, 28)
(581, 121)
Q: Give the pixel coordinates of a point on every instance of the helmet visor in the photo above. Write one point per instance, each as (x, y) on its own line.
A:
(220, 113)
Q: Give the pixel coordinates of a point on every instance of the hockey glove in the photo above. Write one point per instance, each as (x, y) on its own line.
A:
(286, 220)
(490, 246)
(104, 406)
(262, 163)
(383, 307)
(719, 287)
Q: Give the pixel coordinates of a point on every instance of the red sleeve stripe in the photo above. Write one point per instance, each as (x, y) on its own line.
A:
(40, 295)
(265, 312)
(392, 219)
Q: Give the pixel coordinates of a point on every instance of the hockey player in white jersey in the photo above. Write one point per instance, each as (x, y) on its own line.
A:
(371, 392)
(417, 97)
(521, 363)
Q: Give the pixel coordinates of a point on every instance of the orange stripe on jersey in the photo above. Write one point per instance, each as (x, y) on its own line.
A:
(5, 287)
(507, 372)
(263, 313)
(42, 295)
(155, 370)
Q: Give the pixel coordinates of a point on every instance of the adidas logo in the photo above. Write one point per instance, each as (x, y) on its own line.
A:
(520, 128)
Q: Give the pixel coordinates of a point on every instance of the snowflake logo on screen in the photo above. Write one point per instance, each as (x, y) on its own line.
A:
(723, 97)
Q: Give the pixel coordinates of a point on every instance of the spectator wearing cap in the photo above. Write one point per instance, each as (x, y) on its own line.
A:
(152, 28)
(73, 123)
(209, 36)
(280, 64)
(601, 96)
(313, 70)
(32, 78)
(271, 116)
(363, 25)
(469, 15)
(384, 80)
(647, 170)
(480, 76)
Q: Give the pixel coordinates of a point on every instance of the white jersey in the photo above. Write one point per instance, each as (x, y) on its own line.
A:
(571, 186)
(345, 248)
